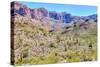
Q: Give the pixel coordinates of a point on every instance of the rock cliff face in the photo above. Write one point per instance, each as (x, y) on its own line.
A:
(42, 14)
(51, 19)
(39, 13)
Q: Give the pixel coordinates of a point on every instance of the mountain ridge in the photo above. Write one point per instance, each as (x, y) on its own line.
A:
(41, 13)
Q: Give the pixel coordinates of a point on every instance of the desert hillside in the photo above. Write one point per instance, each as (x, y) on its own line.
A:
(45, 37)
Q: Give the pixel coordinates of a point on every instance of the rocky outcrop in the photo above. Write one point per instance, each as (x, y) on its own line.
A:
(52, 19)
(43, 14)
(39, 13)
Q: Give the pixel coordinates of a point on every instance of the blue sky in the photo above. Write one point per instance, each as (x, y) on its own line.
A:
(77, 10)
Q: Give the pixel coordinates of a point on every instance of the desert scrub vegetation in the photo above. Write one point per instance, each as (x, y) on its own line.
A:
(36, 44)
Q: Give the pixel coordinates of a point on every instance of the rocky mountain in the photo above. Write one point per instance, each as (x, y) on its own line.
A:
(39, 36)
(40, 13)
(94, 17)
(20, 11)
